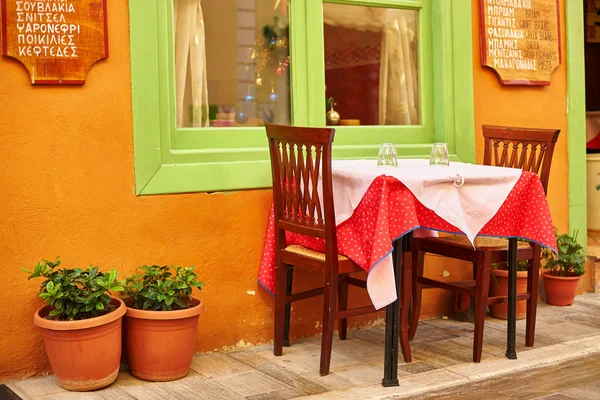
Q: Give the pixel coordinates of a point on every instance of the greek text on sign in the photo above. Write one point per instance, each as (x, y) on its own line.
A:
(520, 40)
(56, 40)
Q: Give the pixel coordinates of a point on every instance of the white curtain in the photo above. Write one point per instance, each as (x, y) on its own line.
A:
(190, 64)
(398, 72)
(398, 76)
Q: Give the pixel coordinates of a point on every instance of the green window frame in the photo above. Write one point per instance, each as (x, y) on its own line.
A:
(175, 160)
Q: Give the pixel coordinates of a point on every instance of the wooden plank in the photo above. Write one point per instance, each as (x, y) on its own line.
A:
(191, 387)
(284, 394)
(35, 388)
(215, 365)
(251, 383)
(206, 389)
(113, 393)
(301, 383)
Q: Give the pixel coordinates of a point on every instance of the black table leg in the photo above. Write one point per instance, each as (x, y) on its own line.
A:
(392, 316)
(512, 300)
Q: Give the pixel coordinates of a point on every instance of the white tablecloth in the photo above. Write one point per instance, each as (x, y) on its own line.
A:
(468, 207)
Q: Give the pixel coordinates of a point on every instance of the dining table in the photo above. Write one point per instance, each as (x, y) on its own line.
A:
(379, 209)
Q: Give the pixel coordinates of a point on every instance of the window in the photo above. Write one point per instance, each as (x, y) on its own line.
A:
(372, 64)
(231, 63)
(259, 65)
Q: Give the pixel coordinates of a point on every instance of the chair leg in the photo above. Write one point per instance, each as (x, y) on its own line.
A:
(288, 306)
(331, 287)
(482, 288)
(406, 282)
(418, 261)
(533, 277)
(343, 306)
(280, 306)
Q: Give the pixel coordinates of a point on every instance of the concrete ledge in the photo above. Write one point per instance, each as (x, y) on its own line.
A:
(456, 375)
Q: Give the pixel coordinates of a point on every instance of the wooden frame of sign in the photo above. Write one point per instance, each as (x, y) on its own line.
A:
(520, 40)
(56, 41)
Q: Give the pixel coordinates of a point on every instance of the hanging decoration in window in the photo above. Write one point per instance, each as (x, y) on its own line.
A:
(283, 4)
(267, 65)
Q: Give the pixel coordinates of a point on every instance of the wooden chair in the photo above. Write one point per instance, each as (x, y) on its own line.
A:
(297, 156)
(530, 150)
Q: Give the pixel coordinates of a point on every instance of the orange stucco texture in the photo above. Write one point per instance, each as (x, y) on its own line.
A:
(526, 106)
(66, 176)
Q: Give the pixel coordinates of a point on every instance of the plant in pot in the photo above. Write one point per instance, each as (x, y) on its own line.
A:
(499, 288)
(161, 321)
(563, 270)
(80, 324)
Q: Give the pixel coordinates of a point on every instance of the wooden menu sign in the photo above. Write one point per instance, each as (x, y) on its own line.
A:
(56, 40)
(520, 39)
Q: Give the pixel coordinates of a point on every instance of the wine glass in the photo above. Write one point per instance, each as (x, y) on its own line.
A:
(387, 156)
(439, 155)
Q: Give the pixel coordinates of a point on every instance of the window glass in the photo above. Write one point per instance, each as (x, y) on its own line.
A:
(371, 65)
(231, 63)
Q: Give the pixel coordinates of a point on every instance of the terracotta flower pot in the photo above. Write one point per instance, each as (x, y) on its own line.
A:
(160, 344)
(560, 290)
(499, 287)
(85, 354)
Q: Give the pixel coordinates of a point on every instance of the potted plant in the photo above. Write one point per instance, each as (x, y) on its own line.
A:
(161, 321)
(80, 324)
(499, 288)
(563, 270)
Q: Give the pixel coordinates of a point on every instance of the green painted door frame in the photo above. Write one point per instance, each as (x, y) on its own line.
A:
(576, 119)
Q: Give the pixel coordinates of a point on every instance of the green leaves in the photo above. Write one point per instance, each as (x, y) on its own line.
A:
(570, 260)
(161, 288)
(74, 293)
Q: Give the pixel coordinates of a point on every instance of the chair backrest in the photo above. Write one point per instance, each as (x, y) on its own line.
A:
(525, 148)
(301, 168)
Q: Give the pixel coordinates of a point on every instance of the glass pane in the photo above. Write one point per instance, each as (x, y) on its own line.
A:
(231, 63)
(371, 68)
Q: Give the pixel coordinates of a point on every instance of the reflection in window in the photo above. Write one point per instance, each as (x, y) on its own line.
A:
(231, 63)
(371, 70)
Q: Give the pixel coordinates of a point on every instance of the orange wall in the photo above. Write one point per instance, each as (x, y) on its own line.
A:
(66, 175)
(526, 106)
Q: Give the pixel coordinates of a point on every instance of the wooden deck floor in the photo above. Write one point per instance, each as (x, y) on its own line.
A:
(441, 351)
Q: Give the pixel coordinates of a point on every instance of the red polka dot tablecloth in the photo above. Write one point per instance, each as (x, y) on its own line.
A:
(388, 210)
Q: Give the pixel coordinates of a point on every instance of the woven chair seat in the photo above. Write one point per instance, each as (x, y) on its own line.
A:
(481, 242)
(316, 255)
